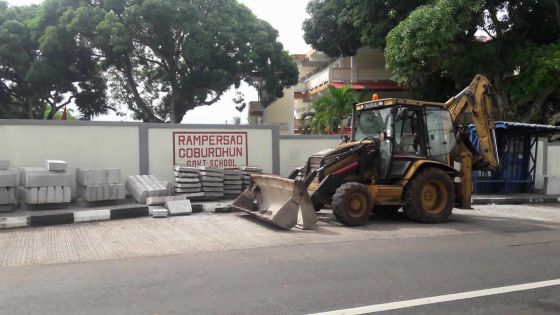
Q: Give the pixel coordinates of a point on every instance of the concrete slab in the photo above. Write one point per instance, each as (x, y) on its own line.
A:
(34, 177)
(160, 200)
(28, 195)
(55, 165)
(186, 169)
(178, 207)
(4, 196)
(160, 213)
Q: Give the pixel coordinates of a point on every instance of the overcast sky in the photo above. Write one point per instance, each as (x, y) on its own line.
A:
(286, 16)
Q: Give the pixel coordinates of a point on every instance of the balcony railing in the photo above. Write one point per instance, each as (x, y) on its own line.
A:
(330, 74)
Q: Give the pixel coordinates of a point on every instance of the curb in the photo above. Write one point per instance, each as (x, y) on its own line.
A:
(97, 215)
(514, 201)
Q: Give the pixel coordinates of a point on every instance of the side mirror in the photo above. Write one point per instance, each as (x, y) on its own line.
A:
(349, 122)
(345, 138)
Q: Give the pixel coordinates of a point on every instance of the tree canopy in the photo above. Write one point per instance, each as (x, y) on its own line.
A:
(436, 47)
(157, 58)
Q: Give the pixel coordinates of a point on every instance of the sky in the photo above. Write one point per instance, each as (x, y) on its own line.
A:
(286, 16)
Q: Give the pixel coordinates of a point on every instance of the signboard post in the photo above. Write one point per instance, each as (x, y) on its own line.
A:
(210, 149)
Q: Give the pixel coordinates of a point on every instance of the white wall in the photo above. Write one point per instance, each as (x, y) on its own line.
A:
(79, 146)
(295, 150)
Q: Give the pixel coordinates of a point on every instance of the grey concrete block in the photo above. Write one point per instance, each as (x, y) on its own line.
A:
(87, 193)
(212, 174)
(99, 192)
(55, 165)
(42, 195)
(92, 215)
(114, 176)
(4, 164)
(4, 196)
(160, 200)
(193, 194)
(50, 194)
(34, 177)
(8, 178)
(106, 192)
(211, 169)
(233, 182)
(67, 192)
(121, 191)
(28, 195)
(136, 189)
(189, 185)
(12, 195)
(58, 194)
(160, 213)
(98, 176)
(178, 207)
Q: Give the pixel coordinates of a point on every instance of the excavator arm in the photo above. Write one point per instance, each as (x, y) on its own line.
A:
(476, 99)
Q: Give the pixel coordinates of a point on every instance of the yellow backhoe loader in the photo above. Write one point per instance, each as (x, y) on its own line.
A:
(401, 153)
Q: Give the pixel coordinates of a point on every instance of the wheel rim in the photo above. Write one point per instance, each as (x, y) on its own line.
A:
(433, 196)
(357, 205)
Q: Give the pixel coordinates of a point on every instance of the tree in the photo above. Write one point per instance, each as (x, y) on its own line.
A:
(46, 63)
(341, 27)
(331, 109)
(166, 57)
(516, 45)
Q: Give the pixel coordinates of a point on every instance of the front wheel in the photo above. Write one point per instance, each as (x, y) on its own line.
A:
(429, 197)
(352, 204)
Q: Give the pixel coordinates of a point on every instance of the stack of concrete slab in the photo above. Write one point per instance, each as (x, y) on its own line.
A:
(48, 185)
(8, 184)
(246, 172)
(233, 183)
(100, 184)
(187, 181)
(144, 186)
(212, 181)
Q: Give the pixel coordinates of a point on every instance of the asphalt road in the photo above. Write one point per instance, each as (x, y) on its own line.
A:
(296, 279)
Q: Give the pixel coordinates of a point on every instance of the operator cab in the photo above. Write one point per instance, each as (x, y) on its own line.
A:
(407, 130)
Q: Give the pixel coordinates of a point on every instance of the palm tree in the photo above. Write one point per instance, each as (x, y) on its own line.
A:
(331, 109)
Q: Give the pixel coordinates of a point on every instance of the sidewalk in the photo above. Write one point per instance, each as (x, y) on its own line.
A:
(514, 199)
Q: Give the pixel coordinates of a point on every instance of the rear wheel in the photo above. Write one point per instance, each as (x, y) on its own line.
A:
(429, 197)
(386, 211)
(352, 204)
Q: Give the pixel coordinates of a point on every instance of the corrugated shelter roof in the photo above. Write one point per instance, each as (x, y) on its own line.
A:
(527, 127)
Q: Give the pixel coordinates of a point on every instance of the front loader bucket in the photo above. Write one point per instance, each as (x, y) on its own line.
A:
(277, 200)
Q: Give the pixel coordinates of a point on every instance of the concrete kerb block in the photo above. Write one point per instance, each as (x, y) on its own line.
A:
(4, 164)
(9, 178)
(87, 177)
(55, 165)
(178, 207)
(34, 177)
(92, 215)
(13, 222)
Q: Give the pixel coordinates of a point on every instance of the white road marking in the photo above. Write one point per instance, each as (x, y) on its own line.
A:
(443, 298)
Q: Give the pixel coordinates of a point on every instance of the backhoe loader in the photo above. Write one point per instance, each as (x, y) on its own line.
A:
(401, 153)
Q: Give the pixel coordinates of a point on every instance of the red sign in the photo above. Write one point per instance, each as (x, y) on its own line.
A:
(211, 149)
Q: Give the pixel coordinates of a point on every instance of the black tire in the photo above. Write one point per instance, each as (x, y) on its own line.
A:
(386, 211)
(352, 204)
(429, 196)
